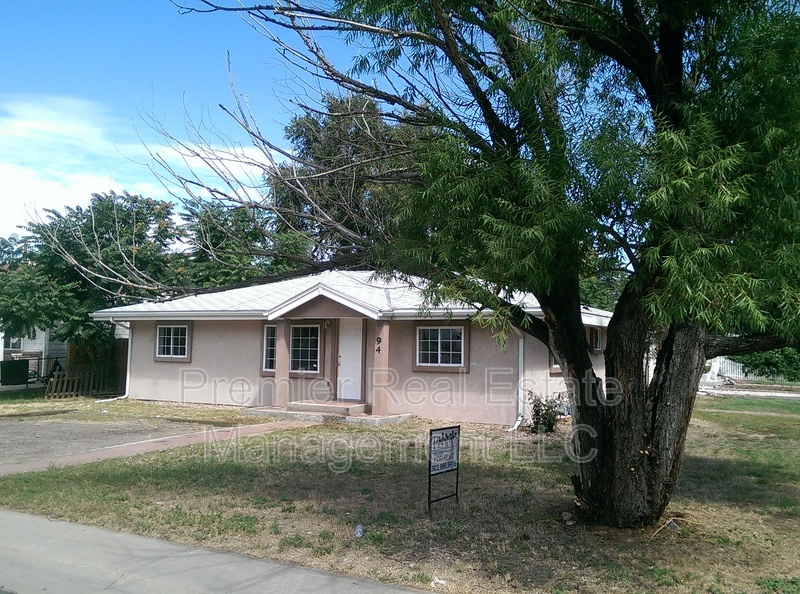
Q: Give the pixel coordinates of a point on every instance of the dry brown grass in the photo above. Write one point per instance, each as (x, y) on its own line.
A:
(195, 416)
(297, 496)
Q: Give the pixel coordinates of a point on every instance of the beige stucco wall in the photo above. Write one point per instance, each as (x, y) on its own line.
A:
(225, 368)
(543, 380)
(538, 377)
(487, 393)
(322, 307)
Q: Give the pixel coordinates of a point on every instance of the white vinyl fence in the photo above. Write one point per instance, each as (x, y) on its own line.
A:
(735, 370)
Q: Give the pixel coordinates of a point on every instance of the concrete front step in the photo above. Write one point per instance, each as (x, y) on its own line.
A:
(336, 407)
(317, 417)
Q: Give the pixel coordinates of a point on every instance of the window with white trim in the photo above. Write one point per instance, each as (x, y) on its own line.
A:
(554, 365)
(596, 340)
(305, 349)
(440, 346)
(12, 343)
(172, 342)
(270, 334)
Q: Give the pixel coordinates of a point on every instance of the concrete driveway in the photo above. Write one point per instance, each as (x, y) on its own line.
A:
(36, 443)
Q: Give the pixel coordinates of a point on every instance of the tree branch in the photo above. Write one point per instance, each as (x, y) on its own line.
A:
(719, 346)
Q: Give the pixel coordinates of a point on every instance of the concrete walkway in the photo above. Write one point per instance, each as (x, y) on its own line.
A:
(151, 445)
(37, 554)
(751, 393)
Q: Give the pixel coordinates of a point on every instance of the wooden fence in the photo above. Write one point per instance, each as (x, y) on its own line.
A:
(81, 383)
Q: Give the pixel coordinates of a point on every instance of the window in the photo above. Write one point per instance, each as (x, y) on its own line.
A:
(554, 366)
(305, 349)
(440, 346)
(269, 348)
(173, 342)
(596, 340)
(12, 343)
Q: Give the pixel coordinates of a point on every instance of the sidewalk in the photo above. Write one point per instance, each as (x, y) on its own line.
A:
(734, 392)
(38, 554)
(150, 445)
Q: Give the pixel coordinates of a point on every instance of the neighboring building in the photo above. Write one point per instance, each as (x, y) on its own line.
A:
(337, 336)
(40, 348)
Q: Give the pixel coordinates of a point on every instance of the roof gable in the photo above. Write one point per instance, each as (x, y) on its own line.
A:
(322, 297)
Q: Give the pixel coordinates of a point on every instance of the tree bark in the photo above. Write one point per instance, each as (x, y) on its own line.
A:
(629, 434)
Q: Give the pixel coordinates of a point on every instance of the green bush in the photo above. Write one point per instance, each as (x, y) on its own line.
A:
(784, 362)
(543, 413)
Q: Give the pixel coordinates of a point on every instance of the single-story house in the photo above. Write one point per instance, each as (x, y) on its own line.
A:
(337, 336)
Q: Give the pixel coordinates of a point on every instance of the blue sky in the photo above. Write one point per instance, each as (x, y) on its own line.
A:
(79, 79)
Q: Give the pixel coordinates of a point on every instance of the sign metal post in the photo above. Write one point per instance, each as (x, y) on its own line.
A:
(443, 458)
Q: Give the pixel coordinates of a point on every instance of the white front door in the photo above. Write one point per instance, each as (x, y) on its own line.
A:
(350, 357)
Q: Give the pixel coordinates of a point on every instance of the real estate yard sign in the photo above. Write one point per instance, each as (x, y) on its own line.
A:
(443, 458)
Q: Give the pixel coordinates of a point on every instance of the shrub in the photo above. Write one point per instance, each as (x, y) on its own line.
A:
(544, 413)
(785, 361)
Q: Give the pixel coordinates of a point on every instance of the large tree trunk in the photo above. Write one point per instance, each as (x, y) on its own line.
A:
(629, 435)
(640, 448)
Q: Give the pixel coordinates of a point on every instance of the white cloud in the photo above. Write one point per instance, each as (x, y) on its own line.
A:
(58, 151)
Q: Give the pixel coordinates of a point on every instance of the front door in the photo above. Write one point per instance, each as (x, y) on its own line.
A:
(350, 357)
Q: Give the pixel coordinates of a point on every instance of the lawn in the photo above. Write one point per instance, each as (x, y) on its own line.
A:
(31, 402)
(783, 406)
(298, 495)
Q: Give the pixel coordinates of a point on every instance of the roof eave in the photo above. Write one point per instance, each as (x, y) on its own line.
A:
(110, 315)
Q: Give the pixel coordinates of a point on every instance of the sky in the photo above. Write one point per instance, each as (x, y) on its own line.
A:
(80, 80)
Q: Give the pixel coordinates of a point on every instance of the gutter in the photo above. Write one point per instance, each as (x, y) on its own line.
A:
(125, 325)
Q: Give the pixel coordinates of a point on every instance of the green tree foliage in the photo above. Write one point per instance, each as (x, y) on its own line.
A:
(659, 138)
(28, 295)
(785, 362)
(119, 237)
(229, 246)
(347, 175)
(325, 203)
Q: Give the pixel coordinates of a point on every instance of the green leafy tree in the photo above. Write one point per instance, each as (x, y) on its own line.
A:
(28, 295)
(660, 137)
(785, 362)
(125, 240)
(324, 204)
(123, 244)
(348, 165)
(229, 246)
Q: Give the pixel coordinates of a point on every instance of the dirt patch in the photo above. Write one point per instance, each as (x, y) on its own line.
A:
(25, 439)
(43, 413)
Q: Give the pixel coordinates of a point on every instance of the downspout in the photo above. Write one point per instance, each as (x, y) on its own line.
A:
(520, 379)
